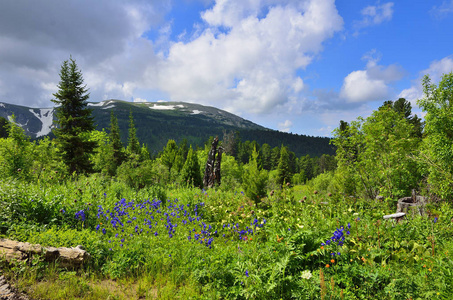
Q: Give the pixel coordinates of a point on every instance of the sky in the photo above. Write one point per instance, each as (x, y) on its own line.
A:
(297, 66)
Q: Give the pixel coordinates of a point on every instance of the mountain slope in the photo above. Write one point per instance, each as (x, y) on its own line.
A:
(157, 122)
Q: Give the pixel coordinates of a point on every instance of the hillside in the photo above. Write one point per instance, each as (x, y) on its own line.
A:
(157, 122)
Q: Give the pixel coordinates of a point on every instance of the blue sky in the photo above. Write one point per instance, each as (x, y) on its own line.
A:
(293, 65)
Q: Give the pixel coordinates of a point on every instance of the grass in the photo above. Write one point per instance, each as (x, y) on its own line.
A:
(217, 244)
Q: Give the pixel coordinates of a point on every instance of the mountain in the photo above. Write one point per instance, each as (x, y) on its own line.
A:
(157, 122)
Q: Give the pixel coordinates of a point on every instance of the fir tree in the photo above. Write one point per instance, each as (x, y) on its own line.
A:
(284, 173)
(3, 127)
(133, 145)
(118, 155)
(254, 179)
(74, 119)
(190, 172)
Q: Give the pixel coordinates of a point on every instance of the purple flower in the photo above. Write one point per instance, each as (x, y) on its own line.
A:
(247, 273)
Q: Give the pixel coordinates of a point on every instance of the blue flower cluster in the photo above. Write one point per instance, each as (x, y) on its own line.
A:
(242, 234)
(338, 236)
(80, 215)
(129, 219)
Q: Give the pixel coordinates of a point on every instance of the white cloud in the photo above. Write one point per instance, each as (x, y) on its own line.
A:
(99, 35)
(285, 126)
(435, 71)
(140, 100)
(443, 10)
(251, 66)
(374, 15)
(370, 84)
(243, 57)
(359, 87)
(377, 14)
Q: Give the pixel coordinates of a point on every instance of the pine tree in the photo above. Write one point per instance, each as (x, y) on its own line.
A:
(133, 145)
(191, 170)
(74, 119)
(3, 127)
(254, 179)
(284, 173)
(170, 155)
(117, 155)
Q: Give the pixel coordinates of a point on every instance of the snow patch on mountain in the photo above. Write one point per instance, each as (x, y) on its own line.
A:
(102, 103)
(96, 104)
(163, 107)
(45, 115)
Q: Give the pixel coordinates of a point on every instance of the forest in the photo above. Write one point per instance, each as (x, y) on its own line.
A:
(277, 226)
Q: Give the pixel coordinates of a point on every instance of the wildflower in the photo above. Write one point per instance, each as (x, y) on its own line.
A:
(435, 220)
(327, 266)
(306, 274)
(247, 273)
(332, 260)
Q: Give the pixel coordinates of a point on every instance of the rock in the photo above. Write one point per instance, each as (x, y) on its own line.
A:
(66, 257)
(7, 292)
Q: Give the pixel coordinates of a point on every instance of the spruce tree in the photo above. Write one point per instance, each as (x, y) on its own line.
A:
(74, 119)
(254, 179)
(133, 145)
(284, 173)
(3, 127)
(118, 155)
(190, 172)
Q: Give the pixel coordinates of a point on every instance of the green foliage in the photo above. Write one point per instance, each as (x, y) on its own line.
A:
(117, 150)
(15, 154)
(74, 120)
(47, 165)
(231, 173)
(4, 126)
(133, 145)
(378, 153)
(254, 179)
(284, 173)
(190, 173)
(285, 257)
(437, 151)
(169, 154)
(136, 173)
(404, 108)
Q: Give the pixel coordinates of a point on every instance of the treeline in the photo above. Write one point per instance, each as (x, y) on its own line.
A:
(156, 128)
(79, 149)
(393, 152)
(178, 163)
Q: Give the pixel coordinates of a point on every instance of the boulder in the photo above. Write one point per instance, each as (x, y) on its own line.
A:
(65, 257)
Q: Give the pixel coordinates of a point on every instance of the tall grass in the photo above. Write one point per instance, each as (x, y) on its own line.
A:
(177, 242)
